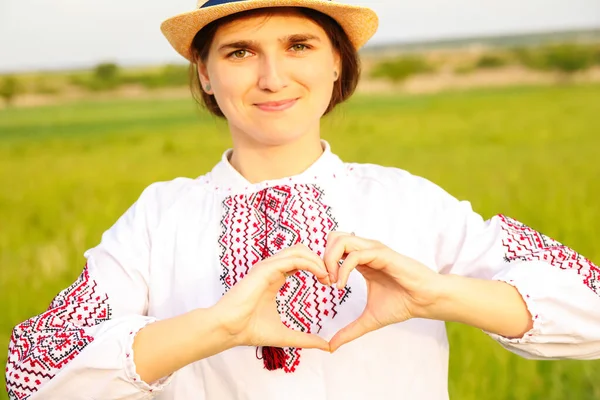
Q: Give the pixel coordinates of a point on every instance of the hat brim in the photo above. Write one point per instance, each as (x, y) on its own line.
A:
(359, 23)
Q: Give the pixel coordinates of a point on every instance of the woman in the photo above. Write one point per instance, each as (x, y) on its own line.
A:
(285, 272)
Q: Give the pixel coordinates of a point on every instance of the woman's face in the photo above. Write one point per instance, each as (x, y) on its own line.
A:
(272, 76)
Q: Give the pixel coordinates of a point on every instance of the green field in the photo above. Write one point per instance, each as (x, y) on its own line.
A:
(67, 172)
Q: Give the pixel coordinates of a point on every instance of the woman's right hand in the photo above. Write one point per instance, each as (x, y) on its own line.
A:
(248, 311)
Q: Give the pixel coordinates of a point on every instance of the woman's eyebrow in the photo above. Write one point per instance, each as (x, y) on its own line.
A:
(299, 37)
(252, 44)
(239, 44)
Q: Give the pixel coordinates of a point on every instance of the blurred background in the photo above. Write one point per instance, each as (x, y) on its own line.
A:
(496, 101)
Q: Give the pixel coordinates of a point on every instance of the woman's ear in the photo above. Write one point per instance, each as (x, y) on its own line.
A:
(337, 65)
(204, 79)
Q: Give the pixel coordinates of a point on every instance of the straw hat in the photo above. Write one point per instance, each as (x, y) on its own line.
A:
(360, 23)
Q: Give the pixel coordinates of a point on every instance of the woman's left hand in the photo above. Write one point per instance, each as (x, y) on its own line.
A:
(398, 288)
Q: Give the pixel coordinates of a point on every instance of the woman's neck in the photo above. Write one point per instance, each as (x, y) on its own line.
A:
(258, 162)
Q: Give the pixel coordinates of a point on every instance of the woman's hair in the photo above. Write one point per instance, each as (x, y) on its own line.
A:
(343, 88)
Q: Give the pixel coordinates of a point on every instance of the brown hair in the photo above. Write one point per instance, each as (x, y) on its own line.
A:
(343, 87)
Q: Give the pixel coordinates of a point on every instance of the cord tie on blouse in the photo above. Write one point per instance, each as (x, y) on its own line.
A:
(273, 357)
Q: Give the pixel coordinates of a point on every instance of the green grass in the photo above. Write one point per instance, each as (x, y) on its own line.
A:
(68, 172)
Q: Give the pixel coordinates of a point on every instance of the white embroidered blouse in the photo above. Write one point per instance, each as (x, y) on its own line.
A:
(186, 242)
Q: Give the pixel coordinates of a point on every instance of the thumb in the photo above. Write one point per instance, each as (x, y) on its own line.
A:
(352, 331)
(291, 338)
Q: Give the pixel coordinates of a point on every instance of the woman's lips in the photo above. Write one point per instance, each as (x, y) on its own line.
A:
(276, 105)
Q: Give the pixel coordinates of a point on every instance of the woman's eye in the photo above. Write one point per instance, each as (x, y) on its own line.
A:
(299, 47)
(239, 54)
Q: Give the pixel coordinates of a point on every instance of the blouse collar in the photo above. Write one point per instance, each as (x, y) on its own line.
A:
(224, 177)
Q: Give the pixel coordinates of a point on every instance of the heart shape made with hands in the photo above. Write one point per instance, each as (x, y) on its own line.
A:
(397, 286)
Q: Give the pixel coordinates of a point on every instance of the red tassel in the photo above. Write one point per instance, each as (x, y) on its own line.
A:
(273, 358)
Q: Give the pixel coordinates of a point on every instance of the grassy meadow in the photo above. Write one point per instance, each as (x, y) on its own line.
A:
(68, 171)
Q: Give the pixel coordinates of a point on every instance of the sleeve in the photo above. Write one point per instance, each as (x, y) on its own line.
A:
(81, 347)
(560, 287)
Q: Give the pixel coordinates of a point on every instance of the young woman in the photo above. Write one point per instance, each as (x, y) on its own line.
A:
(285, 272)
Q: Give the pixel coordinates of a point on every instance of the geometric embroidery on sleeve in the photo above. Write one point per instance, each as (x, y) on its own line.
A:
(258, 225)
(41, 346)
(526, 244)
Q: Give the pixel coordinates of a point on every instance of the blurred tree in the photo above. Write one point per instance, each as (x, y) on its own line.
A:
(489, 61)
(532, 58)
(106, 72)
(564, 58)
(569, 58)
(9, 89)
(399, 69)
(105, 77)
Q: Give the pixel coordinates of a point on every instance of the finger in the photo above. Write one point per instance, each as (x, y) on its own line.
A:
(290, 338)
(301, 250)
(353, 260)
(277, 270)
(334, 252)
(338, 245)
(351, 332)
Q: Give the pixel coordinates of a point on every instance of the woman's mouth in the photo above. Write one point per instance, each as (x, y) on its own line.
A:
(276, 105)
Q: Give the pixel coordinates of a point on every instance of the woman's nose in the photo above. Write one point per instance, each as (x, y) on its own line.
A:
(272, 74)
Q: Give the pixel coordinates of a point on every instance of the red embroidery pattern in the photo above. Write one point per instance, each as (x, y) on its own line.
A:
(524, 243)
(41, 346)
(259, 225)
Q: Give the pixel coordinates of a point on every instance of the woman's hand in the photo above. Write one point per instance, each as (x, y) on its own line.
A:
(248, 310)
(398, 288)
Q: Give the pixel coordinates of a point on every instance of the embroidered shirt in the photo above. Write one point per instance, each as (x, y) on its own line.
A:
(184, 243)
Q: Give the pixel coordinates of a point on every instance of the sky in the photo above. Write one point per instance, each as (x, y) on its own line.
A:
(55, 34)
